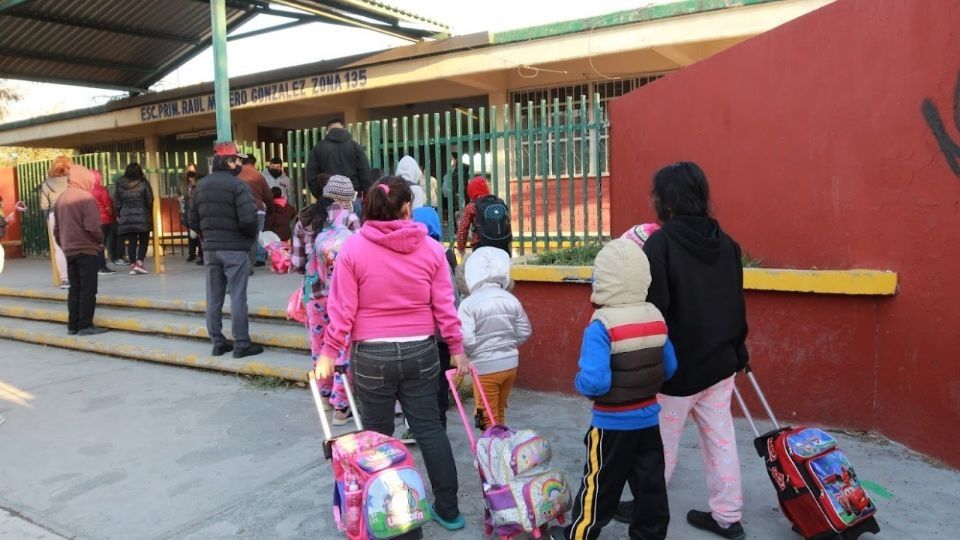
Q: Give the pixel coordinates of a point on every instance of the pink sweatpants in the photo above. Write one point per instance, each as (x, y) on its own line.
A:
(317, 321)
(718, 445)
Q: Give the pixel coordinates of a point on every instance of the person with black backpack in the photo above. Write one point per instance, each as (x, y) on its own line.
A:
(485, 219)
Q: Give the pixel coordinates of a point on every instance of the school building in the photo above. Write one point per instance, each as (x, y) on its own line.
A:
(548, 156)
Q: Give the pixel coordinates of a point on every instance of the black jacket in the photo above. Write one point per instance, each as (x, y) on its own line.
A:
(134, 206)
(338, 153)
(697, 283)
(222, 209)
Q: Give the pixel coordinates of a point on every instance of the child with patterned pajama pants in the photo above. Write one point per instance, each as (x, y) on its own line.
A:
(697, 283)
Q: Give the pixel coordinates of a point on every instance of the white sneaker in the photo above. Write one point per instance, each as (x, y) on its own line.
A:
(139, 269)
(64, 284)
(342, 418)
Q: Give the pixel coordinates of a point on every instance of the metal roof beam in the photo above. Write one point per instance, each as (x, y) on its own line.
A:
(79, 60)
(276, 28)
(331, 15)
(71, 82)
(102, 27)
(263, 8)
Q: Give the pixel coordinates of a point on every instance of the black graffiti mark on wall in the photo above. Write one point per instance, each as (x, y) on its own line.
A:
(949, 147)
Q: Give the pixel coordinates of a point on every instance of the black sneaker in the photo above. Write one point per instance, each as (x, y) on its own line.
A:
(191, 258)
(200, 261)
(624, 513)
(252, 350)
(705, 522)
(71, 332)
(258, 264)
(220, 350)
(558, 532)
(92, 331)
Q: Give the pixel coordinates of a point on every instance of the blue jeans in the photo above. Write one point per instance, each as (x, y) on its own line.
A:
(386, 372)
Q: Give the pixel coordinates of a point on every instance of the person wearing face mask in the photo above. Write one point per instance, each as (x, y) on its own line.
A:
(224, 211)
(188, 184)
(275, 177)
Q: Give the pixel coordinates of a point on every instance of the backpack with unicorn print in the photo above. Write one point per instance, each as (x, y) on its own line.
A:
(326, 247)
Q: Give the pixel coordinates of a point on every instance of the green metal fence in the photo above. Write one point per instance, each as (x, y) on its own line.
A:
(547, 160)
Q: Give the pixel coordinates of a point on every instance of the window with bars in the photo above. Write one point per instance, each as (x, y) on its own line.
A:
(549, 147)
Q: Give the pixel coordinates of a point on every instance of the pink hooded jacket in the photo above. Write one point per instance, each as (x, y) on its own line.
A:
(390, 281)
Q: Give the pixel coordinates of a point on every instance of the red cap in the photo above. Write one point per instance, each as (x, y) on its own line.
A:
(226, 149)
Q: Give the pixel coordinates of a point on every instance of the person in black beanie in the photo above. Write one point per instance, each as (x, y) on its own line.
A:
(697, 283)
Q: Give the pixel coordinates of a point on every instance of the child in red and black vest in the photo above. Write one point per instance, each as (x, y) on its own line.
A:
(624, 360)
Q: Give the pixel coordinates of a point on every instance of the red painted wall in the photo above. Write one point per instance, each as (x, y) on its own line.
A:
(819, 156)
(558, 312)
(8, 190)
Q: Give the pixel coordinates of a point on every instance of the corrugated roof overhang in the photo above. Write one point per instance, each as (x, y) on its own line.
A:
(130, 45)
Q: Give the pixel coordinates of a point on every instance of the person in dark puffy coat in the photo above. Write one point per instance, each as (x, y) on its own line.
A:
(134, 211)
(339, 154)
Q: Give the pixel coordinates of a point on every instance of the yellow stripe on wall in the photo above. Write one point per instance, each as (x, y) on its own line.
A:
(851, 282)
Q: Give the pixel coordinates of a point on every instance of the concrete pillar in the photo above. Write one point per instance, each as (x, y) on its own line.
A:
(151, 147)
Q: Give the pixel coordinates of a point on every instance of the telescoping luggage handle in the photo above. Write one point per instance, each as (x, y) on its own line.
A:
(763, 401)
(451, 377)
(312, 376)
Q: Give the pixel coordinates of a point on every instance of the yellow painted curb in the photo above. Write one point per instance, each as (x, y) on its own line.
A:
(224, 364)
(850, 282)
(298, 341)
(552, 274)
(141, 303)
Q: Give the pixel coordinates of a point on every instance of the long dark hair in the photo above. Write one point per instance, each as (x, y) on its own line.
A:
(319, 213)
(681, 189)
(386, 204)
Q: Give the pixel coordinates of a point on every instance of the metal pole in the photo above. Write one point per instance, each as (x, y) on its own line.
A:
(221, 80)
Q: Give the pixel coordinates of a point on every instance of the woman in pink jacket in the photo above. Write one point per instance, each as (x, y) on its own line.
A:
(390, 292)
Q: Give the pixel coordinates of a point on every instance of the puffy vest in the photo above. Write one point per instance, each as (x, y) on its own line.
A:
(637, 336)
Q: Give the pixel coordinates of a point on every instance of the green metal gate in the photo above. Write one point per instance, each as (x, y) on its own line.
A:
(546, 160)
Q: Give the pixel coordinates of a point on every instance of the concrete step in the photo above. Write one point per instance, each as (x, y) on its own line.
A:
(189, 306)
(152, 320)
(287, 364)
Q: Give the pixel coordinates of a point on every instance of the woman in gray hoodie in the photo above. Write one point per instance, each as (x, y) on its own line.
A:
(50, 190)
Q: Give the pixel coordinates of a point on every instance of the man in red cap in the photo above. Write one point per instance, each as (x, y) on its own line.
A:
(224, 208)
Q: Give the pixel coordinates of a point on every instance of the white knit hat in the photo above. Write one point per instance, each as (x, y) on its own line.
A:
(340, 189)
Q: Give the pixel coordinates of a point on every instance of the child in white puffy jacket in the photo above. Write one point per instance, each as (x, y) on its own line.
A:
(494, 327)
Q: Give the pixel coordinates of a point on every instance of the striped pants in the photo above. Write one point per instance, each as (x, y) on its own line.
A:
(613, 457)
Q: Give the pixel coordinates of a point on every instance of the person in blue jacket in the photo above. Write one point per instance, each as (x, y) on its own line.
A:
(624, 360)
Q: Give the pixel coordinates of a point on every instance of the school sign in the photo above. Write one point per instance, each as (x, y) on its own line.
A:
(252, 96)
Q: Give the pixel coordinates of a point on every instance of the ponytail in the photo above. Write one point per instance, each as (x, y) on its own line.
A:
(386, 199)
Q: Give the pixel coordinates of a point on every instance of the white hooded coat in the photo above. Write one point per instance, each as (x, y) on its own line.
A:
(494, 322)
(409, 170)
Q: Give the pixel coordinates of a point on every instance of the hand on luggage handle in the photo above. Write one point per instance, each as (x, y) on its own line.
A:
(312, 377)
(763, 401)
(451, 377)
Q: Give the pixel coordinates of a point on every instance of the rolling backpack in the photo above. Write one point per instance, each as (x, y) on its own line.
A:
(492, 221)
(522, 494)
(817, 487)
(377, 493)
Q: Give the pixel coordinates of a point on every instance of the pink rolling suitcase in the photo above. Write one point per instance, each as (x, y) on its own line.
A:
(378, 493)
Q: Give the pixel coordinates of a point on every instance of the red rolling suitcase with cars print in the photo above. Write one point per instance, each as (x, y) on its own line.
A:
(816, 485)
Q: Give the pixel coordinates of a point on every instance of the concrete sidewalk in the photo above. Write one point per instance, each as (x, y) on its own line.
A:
(183, 282)
(98, 447)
